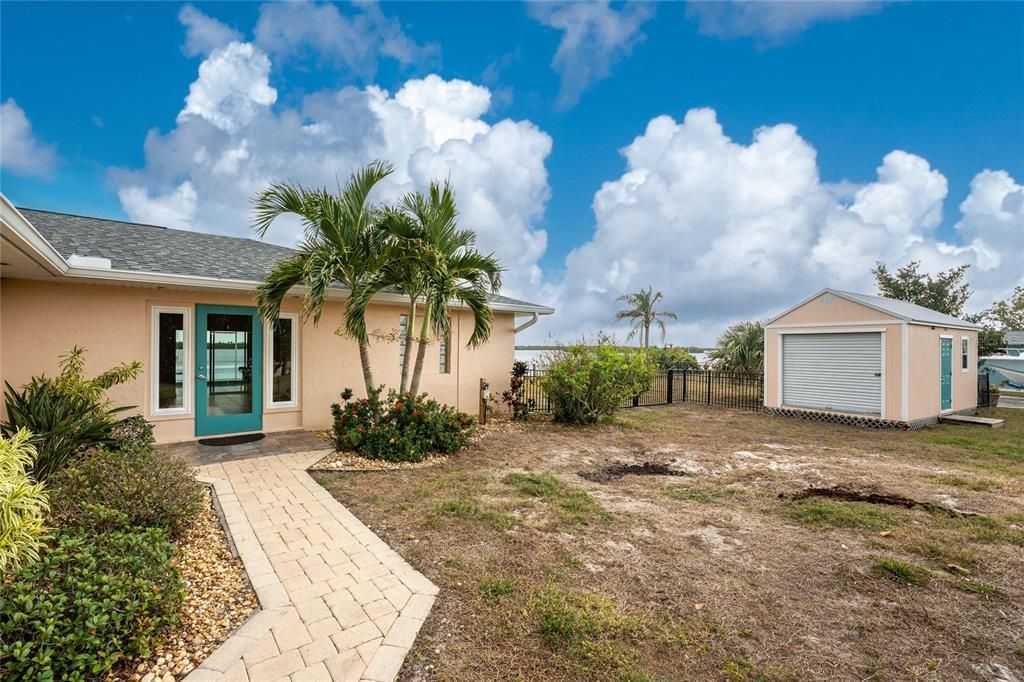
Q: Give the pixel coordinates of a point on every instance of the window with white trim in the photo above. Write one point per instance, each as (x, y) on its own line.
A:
(965, 346)
(283, 361)
(403, 330)
(444, 352)
(170, 360)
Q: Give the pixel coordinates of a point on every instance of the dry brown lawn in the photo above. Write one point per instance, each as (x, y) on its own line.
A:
(561, 557)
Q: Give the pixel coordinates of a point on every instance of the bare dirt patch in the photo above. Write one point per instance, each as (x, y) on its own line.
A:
(546, 574)
(614, 472)
(839, 492)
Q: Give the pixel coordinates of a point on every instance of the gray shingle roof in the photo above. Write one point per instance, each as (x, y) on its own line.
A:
(150, 248)
(1015, 337)
(905, 310)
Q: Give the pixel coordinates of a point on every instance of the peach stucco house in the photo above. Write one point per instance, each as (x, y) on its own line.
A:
(868, 359)
(182, 303)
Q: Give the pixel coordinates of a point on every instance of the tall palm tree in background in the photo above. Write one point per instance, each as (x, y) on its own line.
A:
(342, 243)
(642, 314)
(442, 266)
(740, 348)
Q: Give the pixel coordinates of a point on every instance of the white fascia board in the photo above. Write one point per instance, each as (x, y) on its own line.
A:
(41, 250)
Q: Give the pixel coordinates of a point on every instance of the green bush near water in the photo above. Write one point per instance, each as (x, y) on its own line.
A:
(586, 383)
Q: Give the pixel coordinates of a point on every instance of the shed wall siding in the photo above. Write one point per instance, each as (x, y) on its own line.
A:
(924, 370)
(840, 310)
(39, 321)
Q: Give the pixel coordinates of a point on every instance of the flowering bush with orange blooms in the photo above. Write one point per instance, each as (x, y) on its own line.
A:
(400, 428)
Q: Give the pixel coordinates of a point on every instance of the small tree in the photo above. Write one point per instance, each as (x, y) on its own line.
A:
(946, 292)
(514, 397)
(740, 348)
(1004, 315)
(642, 314)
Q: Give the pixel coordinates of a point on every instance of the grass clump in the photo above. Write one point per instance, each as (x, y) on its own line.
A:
(569, 619)
(820, 513)
(980, 485)
(572, 506)
(901, 571)
(467, 509)
(496, 588)
(978, 587)
(703, 495)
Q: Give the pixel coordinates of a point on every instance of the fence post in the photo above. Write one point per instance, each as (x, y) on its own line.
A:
(686, 373)
(709, 386)
(668, 392)
(636, 400)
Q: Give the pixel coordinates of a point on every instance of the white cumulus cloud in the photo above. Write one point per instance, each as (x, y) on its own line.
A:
(732, 231)
(21, 152)
(232, 89)
(231, 140)
(204, 34)
(594, 38)
(351, 41)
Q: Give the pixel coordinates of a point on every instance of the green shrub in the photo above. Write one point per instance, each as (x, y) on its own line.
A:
(91, 601)
(22, 504)
(66, 414)
(586, 383)
(133, 433)
(401, 428)
(672, 358)
(150, 489)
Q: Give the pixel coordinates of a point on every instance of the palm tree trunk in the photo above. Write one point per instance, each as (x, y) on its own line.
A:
(364, 360)
(407, 356)
(421, 351)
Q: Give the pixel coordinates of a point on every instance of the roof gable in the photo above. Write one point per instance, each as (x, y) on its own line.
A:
(882, 308)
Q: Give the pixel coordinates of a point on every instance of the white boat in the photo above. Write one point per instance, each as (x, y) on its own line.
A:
(1005, 367)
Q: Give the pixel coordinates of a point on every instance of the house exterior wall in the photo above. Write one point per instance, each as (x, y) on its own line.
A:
(923, 350)
(40, 320)
(892, 340)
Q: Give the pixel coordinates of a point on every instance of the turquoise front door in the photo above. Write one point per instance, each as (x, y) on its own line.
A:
(229, 370)
(945, 374)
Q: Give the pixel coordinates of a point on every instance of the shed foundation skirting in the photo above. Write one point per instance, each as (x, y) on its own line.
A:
(860, 420)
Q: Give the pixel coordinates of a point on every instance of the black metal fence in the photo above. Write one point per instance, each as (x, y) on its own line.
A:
(726, 389)
(984, 390)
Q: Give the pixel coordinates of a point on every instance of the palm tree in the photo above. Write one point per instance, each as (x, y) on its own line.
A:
(341, 244)
(642, 315)
(437, 263)
(740, 348)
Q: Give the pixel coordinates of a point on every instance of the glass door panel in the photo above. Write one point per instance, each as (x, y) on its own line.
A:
(228, 370)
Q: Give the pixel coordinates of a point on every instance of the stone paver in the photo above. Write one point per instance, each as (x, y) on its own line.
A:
(336, 602)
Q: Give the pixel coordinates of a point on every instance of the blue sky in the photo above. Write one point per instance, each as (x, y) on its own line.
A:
(940, 83)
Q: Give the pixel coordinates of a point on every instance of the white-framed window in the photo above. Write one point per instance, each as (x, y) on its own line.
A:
(444, 352)
(282, 366)
(403, 330)
(965, 349)
(171, 361)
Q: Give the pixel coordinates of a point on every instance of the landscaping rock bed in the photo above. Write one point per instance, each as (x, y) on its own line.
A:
(349, 461)
(218, 600)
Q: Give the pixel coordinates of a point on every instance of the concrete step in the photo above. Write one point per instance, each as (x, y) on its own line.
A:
(971, 420)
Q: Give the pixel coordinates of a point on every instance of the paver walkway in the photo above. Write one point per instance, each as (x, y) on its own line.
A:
(337, 602)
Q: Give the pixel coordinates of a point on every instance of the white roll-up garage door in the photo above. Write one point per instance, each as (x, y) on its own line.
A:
(838, 372)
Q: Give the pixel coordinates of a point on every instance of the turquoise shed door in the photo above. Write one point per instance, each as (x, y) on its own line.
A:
(229, 370)
(945, 374)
